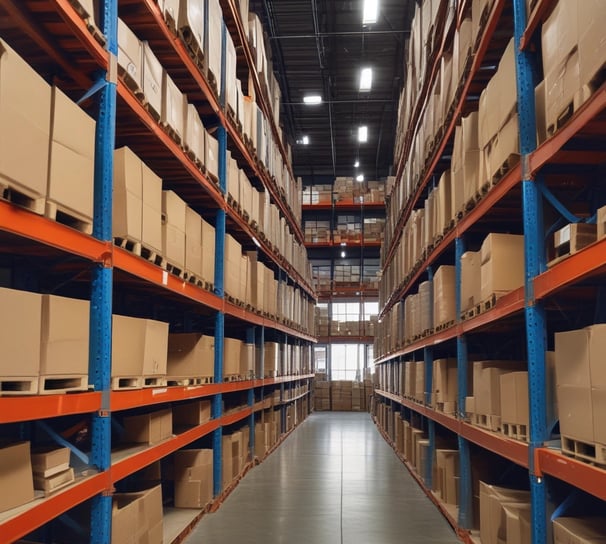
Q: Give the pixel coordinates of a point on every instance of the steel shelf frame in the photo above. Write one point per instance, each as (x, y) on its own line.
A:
(344, 206)
(478, 57)
(104, 257)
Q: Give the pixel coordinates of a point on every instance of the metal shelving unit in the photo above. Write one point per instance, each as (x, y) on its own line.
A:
(53, 36)
(525, 309)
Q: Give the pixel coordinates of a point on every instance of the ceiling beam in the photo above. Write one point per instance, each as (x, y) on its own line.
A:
(338, 34)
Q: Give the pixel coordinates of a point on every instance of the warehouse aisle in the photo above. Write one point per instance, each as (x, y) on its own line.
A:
(334, 480)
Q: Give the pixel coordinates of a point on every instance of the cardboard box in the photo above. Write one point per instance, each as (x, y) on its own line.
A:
(16, 475)
(189, 17)
(20, 348)
(51, 460)
(173, 107)
(173, 228)
(447, 464)
(152, 80)
(194, 132)
(127, 216)
(514, 398)
(486, 384)
(190, 355)
(502, 269)
(579, 530)
(444, 303)
(211, 155)
(193, 243)
(208, 252)
(445, 384)
(574, 237)
(151, 228)
(50, 484)
(193, 478)
(72, 157)
(226, 460)
(231, 356)
(25, 116)
(591, 39)
(148, 428)
(64, 336)
(130, 55)
(577, 357)
(139, 347)
(493, 518)
(137, 517)
(212, 43)
(191, 414)
(575, 408)
(471, 293)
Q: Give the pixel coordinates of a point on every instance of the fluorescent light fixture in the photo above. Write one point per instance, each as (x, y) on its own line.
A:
(360, 178)
(256, 242)
(357, 164)
(305, 140)
(343, 244)
(371, 10)
(312, 99)
(365, 79)
(363, 134)
(342, 254)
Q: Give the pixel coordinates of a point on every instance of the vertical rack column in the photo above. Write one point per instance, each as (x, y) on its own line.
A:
(220, 231)
(465, 483)
(102, 272)
(534, 264)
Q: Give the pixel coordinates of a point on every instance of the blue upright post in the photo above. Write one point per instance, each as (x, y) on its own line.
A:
(465, 489)
(101, 288)
(534, 256)
(220, 227)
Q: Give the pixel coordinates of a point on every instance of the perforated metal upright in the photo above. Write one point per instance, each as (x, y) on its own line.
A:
(100, 347)
(220, 229)
(534, 264)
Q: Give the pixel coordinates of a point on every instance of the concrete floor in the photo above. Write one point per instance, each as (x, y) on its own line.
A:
(333, 481)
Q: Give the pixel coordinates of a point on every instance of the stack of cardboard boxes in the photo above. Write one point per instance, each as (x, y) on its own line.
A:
(341, 394)
(51, 469)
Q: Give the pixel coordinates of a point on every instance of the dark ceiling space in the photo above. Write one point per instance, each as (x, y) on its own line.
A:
(318, 48)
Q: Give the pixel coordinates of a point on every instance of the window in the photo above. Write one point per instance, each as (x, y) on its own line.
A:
(347, 361)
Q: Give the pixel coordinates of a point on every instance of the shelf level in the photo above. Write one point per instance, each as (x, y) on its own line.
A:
(539, 14)
(344, 206)
(346, 339)
(298, 397)
(16, 409)
(348, 244)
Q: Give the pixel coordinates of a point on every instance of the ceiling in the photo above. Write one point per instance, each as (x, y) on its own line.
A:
(319, 47)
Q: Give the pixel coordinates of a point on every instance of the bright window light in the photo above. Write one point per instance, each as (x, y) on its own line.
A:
(365, 79)
(371, 9)
(363, 134)
(305, 140)
(312, 99)
(360, 178)
(357, 164)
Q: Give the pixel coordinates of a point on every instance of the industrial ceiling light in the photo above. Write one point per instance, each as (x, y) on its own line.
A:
(365, 80)
(305, 140)
(357, 164)
(312, 99)
(343, 254)
(363, 134)
(360, 178)
(371, 9)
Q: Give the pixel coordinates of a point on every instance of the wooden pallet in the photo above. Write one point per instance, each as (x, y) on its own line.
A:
(173, 268)
(130, 83)
(18, 385)
(233, 378)
(516, 431)
(184, 382)
(126, 383)
(585, 451)
(444, 326)
(90, 23)
(193, 48)
(194, 279)
(61, 214)
(153, 381)
(61, 384)
(22, 197)
(175, 136)
(491, 423)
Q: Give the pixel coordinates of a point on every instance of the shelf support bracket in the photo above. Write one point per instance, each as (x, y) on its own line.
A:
(57, 438)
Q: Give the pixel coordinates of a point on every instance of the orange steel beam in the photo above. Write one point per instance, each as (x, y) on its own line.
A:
(14, 409)
(587, 477)
(51, 507)
(587, 262)
(137, 461)
(36, 227)
(288, 401)
(344, 206)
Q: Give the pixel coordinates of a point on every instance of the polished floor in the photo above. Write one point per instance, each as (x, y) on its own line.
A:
(333, 481)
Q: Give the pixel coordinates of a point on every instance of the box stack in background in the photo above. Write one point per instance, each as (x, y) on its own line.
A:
(341, 395)
(321, 395)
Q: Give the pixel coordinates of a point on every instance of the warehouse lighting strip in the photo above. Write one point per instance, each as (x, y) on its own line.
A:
(371, 10)
(312, 99)
(363, 134)
(365, 80)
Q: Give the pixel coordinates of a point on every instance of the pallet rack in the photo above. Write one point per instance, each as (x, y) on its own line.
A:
(55, 40)
(330, 250)
(525, 309)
